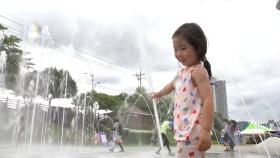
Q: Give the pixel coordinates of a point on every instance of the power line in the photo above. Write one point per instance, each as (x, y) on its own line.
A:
(112, 89)
(55, 48)
(12, 30)
(9, 19)
(77, 49)
(60, 50)
(105, 87)
(78, 56)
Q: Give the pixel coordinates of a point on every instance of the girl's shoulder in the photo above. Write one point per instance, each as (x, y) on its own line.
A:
(199, 70)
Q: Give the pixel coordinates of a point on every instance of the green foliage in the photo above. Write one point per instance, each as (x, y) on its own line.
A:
(2, 28)
(165, 108)
(14, 58)
(51, 81)
(218, 121)
(12, 71)
(105, 101)
(10, 44)
(216, 135)
(27, 61)
(218, 126)
(142, 100)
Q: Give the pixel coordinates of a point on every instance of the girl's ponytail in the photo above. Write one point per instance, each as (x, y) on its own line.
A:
(207, 66)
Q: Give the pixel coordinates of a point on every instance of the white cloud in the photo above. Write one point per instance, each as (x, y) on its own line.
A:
(243, 42)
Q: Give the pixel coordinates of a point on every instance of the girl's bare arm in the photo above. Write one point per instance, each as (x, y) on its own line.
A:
(201, 79)
(166, 90)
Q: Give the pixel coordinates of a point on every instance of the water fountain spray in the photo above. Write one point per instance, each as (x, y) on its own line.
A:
(247, 111)
(143, 56)
(44, 35)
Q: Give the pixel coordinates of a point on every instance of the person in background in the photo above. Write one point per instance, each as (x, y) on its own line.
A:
(226, 135)
(117, 135)
(166, 125)
(231, 131)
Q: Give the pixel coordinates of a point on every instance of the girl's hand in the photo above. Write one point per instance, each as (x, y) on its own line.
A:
(204, 140)
(156, 95)
(166, 90)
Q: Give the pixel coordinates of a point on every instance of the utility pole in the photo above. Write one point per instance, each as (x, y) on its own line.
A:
(91, 99)
(92, 80)
(139, 77)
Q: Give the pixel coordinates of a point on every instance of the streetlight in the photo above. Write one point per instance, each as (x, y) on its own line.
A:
(92, 80)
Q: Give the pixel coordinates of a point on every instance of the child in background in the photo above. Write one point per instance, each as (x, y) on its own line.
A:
(117, 135)
(193, 104)
(231, 131)
(226, 135)
(167, 125)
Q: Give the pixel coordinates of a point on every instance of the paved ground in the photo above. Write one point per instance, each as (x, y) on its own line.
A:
(44, 151)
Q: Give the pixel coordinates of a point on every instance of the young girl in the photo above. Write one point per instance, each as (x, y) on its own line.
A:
(231, 131)
(193, 104)
(117, 136)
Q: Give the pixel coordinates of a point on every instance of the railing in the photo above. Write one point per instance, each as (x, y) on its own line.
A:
(17, 103)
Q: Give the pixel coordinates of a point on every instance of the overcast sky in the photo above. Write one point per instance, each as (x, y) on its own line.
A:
(243, 36)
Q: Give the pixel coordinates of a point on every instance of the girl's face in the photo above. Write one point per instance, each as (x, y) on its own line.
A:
(184, 52)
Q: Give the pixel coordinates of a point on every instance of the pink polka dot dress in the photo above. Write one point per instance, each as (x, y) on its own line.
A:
(187, 114)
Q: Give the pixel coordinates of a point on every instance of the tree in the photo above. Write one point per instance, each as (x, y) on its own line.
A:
(105, 101)
(142, 100)
(51, 81)
(218, 121)
(165, 108)
(111, 102)
(27, 61)
(218, 125)
(58, 83)
(14, 58)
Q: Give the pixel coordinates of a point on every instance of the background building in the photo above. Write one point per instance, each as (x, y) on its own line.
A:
(219, 96)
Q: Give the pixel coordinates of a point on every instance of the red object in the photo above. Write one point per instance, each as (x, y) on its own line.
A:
(191, 153)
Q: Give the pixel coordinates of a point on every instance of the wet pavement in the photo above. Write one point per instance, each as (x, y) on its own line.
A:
(45, 151)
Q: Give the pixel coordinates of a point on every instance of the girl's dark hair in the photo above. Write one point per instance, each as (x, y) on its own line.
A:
(195, 36)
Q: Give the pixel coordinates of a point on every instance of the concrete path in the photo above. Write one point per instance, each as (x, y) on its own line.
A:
(45, 151)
